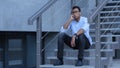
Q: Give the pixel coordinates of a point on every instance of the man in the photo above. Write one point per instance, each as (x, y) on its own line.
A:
(80, 38)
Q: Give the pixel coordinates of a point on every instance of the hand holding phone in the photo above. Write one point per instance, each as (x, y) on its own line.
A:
(72, 17)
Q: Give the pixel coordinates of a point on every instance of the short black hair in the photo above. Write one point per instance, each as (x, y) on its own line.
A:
(77, 8)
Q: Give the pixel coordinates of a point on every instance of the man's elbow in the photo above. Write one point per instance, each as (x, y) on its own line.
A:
(65, 27)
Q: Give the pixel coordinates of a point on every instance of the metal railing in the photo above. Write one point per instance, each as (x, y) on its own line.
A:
(109, 25)
(45, 35)
(38, 16)
(97, 33)
(97, 11)
(96, 15)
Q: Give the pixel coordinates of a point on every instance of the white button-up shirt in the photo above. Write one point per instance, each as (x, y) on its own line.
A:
(76, 26)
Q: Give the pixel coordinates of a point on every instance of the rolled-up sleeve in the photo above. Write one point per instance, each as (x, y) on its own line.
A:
(85, 26)
(64, 30)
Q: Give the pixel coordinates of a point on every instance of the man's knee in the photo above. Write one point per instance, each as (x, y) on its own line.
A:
(81, 36)
(61, 35)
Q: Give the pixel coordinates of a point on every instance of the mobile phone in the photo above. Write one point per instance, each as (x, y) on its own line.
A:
(73, 16)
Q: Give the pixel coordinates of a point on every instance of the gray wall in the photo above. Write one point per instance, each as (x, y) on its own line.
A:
(14, 14)
(86, 6)
(56, 15)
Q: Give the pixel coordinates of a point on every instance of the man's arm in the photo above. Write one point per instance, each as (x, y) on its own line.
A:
(73, 37)
(80, 32)
(65, 26)
(84, 28)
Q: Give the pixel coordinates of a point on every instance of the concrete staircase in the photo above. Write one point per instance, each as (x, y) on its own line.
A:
(109, 28)
(110, 25)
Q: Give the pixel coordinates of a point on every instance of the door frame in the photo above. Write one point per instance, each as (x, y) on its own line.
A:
(14, 35)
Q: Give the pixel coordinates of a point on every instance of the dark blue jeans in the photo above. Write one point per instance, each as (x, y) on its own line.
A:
(81, 44)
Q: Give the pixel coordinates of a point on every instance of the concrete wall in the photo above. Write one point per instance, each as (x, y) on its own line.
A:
(14, 14)
(86, 6)
(56, 15)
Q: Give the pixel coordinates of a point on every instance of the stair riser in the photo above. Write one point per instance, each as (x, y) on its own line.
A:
(106, 26)
(72, 62)
(65, 66)
(87, 54)
(111, 8)
(74, 54)
(113, 46)
(117, 19)
(113, 3)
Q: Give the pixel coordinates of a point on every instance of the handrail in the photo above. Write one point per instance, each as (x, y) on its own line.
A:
(95, 13)
(38, 16)
(97, 32)
(40, 11)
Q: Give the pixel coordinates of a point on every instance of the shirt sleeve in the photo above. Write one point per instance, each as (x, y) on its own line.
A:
(85, 26)
(65, 30)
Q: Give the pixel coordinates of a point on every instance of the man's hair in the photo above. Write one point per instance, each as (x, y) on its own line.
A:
(74, 7)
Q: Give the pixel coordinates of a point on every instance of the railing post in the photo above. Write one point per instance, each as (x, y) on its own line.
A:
(37, 16)
(98, 47)
(38, 39)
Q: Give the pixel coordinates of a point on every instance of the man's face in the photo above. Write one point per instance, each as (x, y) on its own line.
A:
(76, 13)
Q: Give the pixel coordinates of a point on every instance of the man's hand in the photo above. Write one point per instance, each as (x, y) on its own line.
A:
(73, 41)
(71, 18)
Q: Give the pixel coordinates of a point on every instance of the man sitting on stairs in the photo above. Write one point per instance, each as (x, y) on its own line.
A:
(80, 38)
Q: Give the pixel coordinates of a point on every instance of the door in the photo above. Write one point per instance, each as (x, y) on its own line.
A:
(15, 54)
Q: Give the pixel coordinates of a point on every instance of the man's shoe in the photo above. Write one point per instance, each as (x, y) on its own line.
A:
(79, 63)
(58, 62)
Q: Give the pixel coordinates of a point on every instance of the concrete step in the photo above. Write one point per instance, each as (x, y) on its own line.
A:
(110, 19)
(117, 46)
(106, 23)
(108, 12)
(112, 46)
(106, 36)
(88, 52)
(114, 1)
(111, 9)
(113, 17)
(108, 43)
(72, 60)
(65, 66)
(104, 31)
(113, 4)
(105, 7)
(107, 29)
